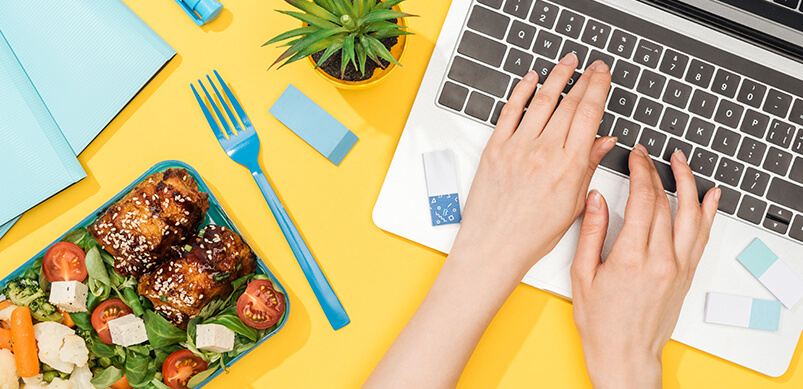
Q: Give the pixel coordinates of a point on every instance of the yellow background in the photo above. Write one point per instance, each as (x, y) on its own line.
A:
(380, 278)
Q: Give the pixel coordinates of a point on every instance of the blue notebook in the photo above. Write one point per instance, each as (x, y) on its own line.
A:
(70, 67)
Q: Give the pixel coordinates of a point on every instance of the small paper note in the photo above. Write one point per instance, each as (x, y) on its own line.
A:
(772, 272)
(742, 311)
(440, 173)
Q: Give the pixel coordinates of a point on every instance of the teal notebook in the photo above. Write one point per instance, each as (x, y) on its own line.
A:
(67, 68)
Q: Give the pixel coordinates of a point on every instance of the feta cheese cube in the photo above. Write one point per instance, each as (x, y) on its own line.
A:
(214, 337)
(69, 296)
(127, 330)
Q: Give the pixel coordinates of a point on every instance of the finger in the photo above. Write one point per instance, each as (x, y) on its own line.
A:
(709, 212)
(589, 113)
(687, 219)
(592, 236)
(600, 148)
(561, 121)
(545, 100)
(510, 117)
(661, 229)
(639, 211)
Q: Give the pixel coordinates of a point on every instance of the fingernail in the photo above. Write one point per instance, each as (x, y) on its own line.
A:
(594, 202)
(681, 156)
(640, 150)
(530, 76)
(602, 67)
(717, 194)
(569, 59)
(593, 66)
(613, 139)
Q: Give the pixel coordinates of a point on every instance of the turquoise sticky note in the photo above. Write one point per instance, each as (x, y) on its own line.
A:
(765, 315)
(314, 125)
(757, 258)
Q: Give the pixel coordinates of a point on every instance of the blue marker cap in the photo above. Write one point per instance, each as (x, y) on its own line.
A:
(201, 11)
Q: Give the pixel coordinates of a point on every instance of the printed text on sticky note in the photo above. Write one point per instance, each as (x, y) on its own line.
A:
(440, 174)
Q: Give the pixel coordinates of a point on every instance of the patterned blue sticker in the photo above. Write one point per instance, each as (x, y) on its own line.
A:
(444, 209)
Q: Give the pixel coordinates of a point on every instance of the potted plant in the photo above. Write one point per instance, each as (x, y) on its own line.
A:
(352, 43)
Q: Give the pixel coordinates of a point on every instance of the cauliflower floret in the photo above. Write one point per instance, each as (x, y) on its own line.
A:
(36, 382)
(8, 371)
(5, 313)
(50, 338)
(80, 378)
(74, 350)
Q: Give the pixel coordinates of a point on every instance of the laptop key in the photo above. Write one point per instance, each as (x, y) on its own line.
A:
(622, 102)
(651, 84)
(786, 193)
(482, 49)
(796, 232)
(492, 3)
(674, 122)
(779, 214)
(797, 171)
(626, 131)
(755, 182)
(521, 35)
(675, 145)
(648, 53)
(547, 44)
(570, 24)
(598, 55)
(667, 177)
(778, 161)
(625, 74)
(777, 103)
(518, 8)
(606, 124)
(752, 209)
(700, 73)
(617, 160)
(479, 77)
(729, 200)
(653, 141)
(703, 162)
(648, 112)
(497, 112)
(797, 112)
(751, 151)
(700, 131)
(703, 104)
(729, 172)
(579, 50)
(453, 96)
(518, 62)
(544, 14)
(677, 94)
(781, 133)
(622, 44)
(726, 83)
(775, 225)
(479, 106)
(755, 123)
(751, 93)
(797, 145)
(572, 80)
(488, 22)
(729, 113)
(596, 34)
(788, 3)
(703, 186)
(543, 68)
(726, 141)
(674, 63)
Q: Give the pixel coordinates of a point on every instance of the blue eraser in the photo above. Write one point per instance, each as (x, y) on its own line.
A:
(314, 125)
(445, 209)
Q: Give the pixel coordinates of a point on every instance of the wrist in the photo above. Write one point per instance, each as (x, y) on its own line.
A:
(624, 370)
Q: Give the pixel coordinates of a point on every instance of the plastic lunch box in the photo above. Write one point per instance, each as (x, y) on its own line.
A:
(215, 215)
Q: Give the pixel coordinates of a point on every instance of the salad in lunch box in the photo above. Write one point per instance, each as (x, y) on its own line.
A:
(142, 297)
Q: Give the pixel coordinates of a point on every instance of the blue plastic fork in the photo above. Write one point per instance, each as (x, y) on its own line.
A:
(243, 148)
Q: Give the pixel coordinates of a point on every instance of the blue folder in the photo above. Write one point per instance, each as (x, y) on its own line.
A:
(67, 68)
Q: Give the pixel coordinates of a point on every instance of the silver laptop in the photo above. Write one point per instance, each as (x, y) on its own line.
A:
(721, 80)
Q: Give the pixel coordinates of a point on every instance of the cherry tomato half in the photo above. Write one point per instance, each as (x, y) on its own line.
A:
(261, 305)
(64, 261)
(105, 312)
(180, 366)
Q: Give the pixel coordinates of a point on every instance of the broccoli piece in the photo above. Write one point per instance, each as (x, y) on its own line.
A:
(22, 291)
(42, 310)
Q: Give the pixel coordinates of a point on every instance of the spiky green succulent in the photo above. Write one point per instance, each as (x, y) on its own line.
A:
(354, 27)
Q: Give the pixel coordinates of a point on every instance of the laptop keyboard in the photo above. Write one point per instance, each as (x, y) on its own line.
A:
(738, 121)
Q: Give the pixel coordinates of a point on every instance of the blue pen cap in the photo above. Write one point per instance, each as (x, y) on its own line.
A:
(201, 11)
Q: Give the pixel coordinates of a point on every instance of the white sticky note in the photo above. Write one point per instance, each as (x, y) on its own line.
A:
(440, 174)
(740, 311)
(772, 272)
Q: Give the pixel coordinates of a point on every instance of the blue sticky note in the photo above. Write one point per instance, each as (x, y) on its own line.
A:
(757, 258)
(445, 209)
(314, 125)
(765, 315)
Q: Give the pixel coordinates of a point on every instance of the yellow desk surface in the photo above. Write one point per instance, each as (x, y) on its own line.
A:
(379, 277)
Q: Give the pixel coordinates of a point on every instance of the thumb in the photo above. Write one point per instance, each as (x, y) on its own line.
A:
(592, 237)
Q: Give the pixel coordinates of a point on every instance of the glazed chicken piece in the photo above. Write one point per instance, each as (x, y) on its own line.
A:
(181, 287)
(162, 211)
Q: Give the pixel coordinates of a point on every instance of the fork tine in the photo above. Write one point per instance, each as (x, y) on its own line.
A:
(217, 111)
(225, 106)
(209, 117)
(240, 112)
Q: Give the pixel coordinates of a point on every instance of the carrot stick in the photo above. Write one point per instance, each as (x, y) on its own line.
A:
(22, 336)
(5, 339)
(67, 319)
(4, 304)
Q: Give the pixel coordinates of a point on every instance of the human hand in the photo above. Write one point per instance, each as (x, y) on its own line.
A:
(532, 179)
(626, 308)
